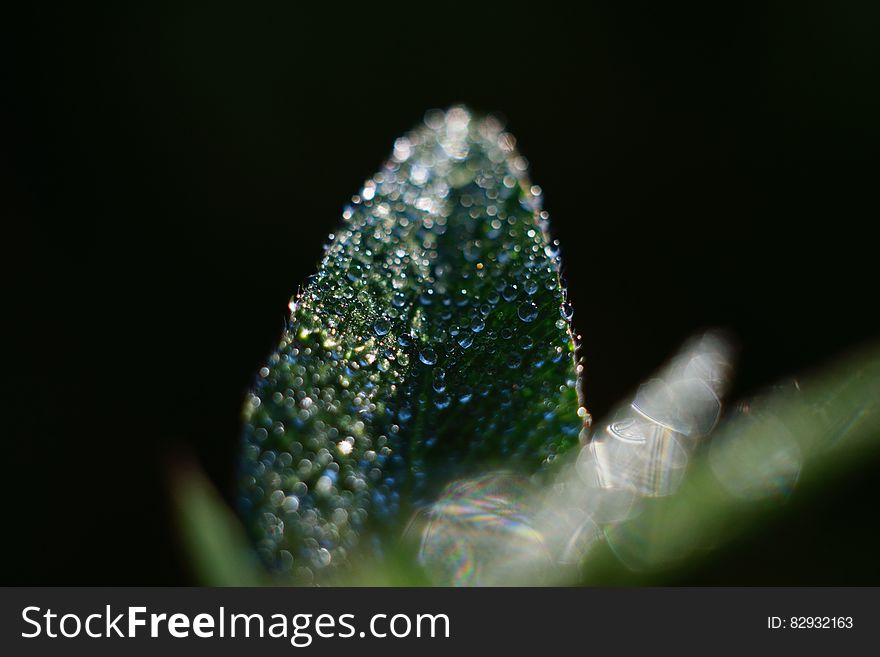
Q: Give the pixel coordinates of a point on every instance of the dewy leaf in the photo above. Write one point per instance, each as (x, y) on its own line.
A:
(433, 342)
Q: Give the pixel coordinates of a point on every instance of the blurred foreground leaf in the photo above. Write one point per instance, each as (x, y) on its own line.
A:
(215, 543)
(790, 444)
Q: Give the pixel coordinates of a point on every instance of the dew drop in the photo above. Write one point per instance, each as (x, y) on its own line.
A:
(527, 311)
(428, 356)
(323, 557)
(382, 326)
(509, 292)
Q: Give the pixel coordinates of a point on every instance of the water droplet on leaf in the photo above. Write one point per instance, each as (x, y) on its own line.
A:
(527, 311)
(428, 356)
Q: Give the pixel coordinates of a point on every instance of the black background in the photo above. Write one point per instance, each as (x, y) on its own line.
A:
(169, 177)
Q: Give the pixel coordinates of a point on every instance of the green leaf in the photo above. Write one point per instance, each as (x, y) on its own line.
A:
(218, 549)
(433, 343)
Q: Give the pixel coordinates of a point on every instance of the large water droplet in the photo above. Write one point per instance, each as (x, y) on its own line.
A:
(290, 504)
(323, 557)
(428, 356)
(527, 311)
(465, 341)
(382, 326)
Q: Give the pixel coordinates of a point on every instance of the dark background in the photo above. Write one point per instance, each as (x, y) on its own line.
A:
(169, 177)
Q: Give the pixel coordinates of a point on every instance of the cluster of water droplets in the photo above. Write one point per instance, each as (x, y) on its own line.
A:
(433, 341)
